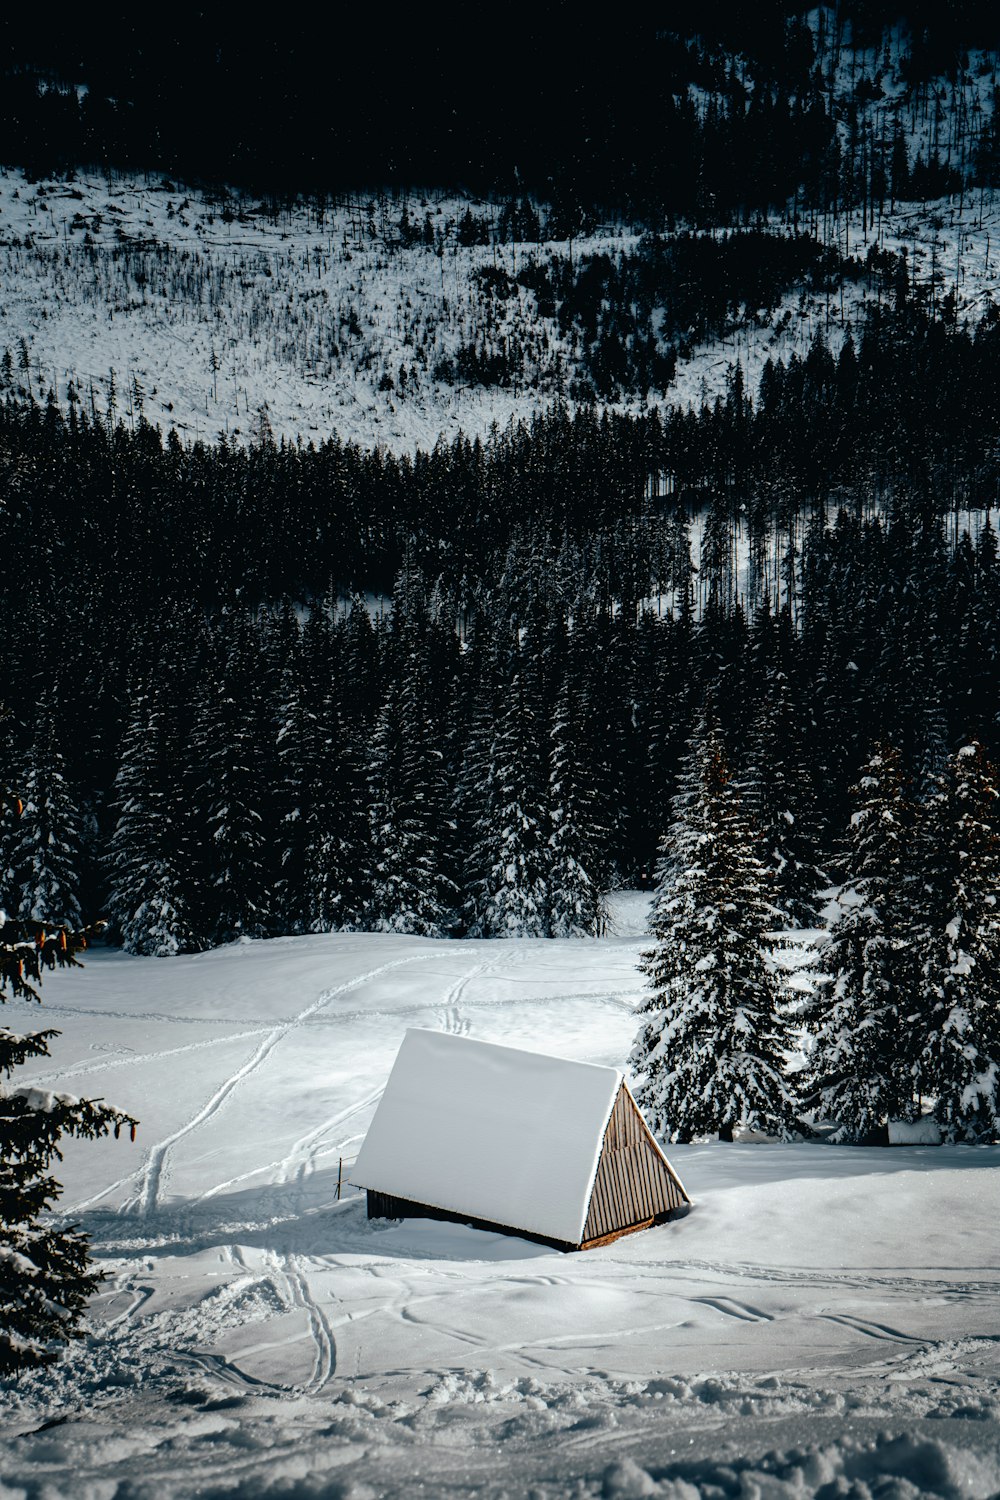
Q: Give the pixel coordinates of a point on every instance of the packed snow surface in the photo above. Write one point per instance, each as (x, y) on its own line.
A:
(824, 1322)
(497, 1133)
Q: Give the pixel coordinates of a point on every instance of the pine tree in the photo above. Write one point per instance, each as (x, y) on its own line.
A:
(322, 832)
(776, 781)
(45, 851)
(858, 1075)
(337, 881)
(956, 927)
(150, 852)
(710, 1050)
(227, 747)
(514, 844)
(473, 796)
(575, 905)
(669, 714)
(45, 1277)
(599, 665)
(298, 742)
(411, 815)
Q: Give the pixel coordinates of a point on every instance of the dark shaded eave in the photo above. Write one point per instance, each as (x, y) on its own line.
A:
(385, 1206)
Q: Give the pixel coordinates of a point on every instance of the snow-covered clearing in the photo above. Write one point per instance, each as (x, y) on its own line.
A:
(823, 1317)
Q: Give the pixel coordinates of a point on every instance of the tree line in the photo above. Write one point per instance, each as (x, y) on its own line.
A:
(901, 1011)
(692, 114)
(434, 766)
(307, 687)
(909, 405)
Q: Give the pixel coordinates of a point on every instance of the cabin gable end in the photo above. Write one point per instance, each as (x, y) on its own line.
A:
(634, 1185)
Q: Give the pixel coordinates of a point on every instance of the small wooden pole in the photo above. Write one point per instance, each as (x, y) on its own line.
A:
(340, 1175)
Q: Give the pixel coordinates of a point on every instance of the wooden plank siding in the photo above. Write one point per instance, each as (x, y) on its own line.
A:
(634, 1185)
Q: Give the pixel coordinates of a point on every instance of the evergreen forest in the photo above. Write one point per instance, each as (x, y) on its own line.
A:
(285, 688)
(742, 649)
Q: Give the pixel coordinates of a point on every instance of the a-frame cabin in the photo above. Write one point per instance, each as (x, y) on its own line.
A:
(514, 1142)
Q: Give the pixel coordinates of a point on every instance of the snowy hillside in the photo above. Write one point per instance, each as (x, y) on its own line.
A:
(824, 1317)
(214, 316)
(393, 317)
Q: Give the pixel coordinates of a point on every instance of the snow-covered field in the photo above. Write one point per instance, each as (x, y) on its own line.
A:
(825, 1321)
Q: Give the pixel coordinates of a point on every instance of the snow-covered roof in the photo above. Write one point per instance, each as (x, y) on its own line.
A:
(494, 1132)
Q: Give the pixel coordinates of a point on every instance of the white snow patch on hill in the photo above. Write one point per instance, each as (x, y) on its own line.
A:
(218, 317)
(825, 1316)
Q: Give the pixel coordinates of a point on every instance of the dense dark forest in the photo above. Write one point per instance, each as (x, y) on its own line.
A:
(592, 117)
(287, 688)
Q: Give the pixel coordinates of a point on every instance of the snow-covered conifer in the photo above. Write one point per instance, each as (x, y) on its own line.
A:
(709, 1054)
(228, 743)
(45, 1277)
(413, 889)
(150, 851)
(958, 970)
(575, 905)
(45, 849)
(472, 782)
(515, 850)
(669, 710)
(322, 832)
(858, 1075)
(775, 782)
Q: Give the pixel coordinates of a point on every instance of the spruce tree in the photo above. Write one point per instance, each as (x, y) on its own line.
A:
(45, 849)
(858, 1074)
(776, 780)
(576, 908)
(336, 874)
(413, 889)
(298, 747)
(322, 829)
(473, 796)
(45, 1276)
(150, 852)
(710, 1051)
(669, 715)
(598, 669)
(340, 683)
(955, 920)
(228, 745)
(515, 850)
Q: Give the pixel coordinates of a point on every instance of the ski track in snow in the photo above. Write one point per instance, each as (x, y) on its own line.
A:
(451, 1018)
(734, 1309)
(130, 1059)
(154, 1171)
(870, 1330)
(300, 1162)
(355, 1359)
(295, 1269)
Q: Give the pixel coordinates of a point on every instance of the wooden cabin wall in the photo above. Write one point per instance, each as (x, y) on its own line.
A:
(633, 1185)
